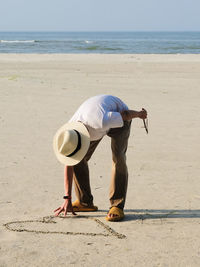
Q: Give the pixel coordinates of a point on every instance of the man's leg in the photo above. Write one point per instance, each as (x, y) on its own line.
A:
(81, 177)
(119, 178)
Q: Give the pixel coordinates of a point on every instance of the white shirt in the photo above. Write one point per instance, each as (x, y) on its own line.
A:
(99, 114)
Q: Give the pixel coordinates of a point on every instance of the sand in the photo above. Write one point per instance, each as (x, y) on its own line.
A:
(38, 94)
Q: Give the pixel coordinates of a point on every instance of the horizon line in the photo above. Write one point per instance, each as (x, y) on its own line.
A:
(99, 31)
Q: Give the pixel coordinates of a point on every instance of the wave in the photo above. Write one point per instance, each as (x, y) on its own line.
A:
(96, 47)
(181, 48)
(17, 41)
(88, 42)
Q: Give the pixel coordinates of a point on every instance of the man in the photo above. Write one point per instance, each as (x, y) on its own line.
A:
(75, 142)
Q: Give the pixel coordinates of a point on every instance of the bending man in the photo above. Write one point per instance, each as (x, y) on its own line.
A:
(75, 142)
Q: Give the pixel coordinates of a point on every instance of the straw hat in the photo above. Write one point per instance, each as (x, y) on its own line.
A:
(71, 143)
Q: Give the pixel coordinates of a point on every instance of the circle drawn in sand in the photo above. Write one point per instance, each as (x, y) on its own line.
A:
(23, 226)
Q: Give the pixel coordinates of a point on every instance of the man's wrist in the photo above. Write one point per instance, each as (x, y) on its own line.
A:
(67, 197)
(139, 114)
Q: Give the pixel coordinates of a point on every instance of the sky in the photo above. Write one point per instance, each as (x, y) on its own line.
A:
(102, 15)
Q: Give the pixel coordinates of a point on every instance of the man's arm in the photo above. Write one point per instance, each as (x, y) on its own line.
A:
(68, 179)
(128, 115)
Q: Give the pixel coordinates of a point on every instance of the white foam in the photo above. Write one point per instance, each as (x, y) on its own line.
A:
(17, 41)
(88, 42)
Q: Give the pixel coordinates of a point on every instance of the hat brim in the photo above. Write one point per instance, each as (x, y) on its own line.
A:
(85, 142)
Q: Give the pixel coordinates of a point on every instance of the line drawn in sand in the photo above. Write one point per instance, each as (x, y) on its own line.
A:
(16, 227)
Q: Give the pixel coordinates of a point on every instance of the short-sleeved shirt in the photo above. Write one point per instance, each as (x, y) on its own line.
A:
(99, 114)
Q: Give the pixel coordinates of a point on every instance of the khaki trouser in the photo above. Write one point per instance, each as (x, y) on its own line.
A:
(119, 178)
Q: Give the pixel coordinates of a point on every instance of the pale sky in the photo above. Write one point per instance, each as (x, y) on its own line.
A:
(102, 15)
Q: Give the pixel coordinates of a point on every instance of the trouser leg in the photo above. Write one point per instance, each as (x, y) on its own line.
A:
(81, 176)
(119, 177)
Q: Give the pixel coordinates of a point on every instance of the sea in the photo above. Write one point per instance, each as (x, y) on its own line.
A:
(100, 42)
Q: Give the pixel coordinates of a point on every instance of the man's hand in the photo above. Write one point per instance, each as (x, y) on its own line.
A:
(66, 207)
(142, 114)
(128, 115)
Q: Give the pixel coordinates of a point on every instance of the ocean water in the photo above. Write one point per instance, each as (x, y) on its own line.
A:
(101, 42)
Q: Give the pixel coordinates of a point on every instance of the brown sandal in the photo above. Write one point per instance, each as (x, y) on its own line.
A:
(117, 211)
(77, 207)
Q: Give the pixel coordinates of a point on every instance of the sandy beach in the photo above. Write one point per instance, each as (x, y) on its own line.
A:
(38, 94)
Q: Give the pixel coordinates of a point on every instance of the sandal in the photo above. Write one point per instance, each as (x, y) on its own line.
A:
(77, 207)
(115, 211)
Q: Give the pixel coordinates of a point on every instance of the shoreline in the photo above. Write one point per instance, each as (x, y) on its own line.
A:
(130, 57)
